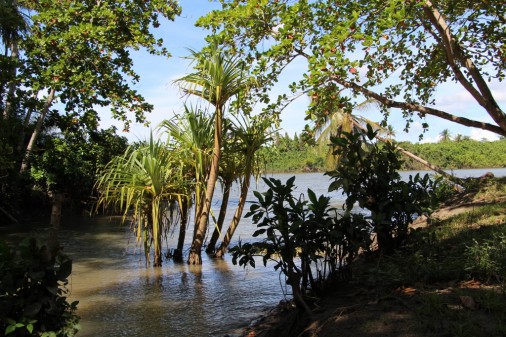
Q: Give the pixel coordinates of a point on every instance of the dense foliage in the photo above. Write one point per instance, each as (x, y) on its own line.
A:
(60, 62)
(310, 243)
(68, 163)
(367, 174)
(33, 293)
(397, 52)
(287, 154)
(305, 239)
(290, 155)
(459, 154)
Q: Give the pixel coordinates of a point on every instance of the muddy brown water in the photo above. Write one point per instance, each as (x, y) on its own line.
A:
(119, 296)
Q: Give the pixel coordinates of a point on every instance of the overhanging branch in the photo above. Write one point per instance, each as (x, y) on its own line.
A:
(421, 109)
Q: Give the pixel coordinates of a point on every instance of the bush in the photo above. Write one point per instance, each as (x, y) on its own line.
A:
(33, 294)
(307, 241)
(367, 173)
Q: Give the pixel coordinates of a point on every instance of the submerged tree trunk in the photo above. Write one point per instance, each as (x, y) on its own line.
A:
(178, 254)
(37, 130)
(157, 236)
(221, 218)
(195, 256)
(237, 215)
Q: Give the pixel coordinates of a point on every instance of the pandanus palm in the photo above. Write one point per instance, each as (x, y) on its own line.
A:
(250, 136)
(147, 180)
(217, 78)
(231, 168)
(191, 134)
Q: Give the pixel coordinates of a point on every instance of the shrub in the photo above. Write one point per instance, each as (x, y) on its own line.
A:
(33, 294)
(367, 173)
(307, 241)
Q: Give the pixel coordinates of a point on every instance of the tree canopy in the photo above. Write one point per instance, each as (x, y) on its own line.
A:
(397, 52)
(77, 54)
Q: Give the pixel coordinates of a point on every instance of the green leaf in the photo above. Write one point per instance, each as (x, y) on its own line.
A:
(10, 329)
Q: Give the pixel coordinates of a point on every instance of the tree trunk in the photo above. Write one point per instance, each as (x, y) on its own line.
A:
(196, 248)
(56, 209)
(12, 84)
(237, 215)
(211, 247)
(21, 139)
(37, 131)
(58, 198)
(178, 254)
(157, 236)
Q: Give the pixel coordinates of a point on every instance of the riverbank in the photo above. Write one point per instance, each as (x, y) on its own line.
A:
(448, 280)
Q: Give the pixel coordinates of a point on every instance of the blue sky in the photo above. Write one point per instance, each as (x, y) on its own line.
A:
(157, 74)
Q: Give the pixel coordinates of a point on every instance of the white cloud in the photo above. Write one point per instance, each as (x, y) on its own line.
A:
(478, 134)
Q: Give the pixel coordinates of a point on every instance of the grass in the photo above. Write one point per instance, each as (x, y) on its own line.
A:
(464, 246)
(451, 274)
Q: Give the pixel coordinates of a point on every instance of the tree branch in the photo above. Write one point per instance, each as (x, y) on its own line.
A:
(454, 53)
(37, 130)
(421, 109)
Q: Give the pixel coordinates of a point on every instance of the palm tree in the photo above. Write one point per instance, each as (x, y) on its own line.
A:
(148, 180)
(191, 134)
(445, 136)
(217, 78)
(459, 138)
(343, 121)
(231, 167)
(251, 135)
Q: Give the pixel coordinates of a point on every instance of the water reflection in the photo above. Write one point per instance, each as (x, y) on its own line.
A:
(120, 297)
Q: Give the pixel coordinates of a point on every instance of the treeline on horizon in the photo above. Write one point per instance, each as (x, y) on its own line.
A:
(293, 154)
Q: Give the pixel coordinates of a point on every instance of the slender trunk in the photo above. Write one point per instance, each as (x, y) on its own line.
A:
(237, 215)
(58, 198)
(196, 249)
(157, 235)
(434, 168)
(56, 209)
(178, 254)
(8, 215)
(298, 297)
(26, 122)
(211, 247)
(12, 84)
(199, 206)
(37, 131)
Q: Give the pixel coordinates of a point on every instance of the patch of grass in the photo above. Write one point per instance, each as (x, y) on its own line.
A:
(462, 256)
(469, 245)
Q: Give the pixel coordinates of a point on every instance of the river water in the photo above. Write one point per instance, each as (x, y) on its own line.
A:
(119, 296)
